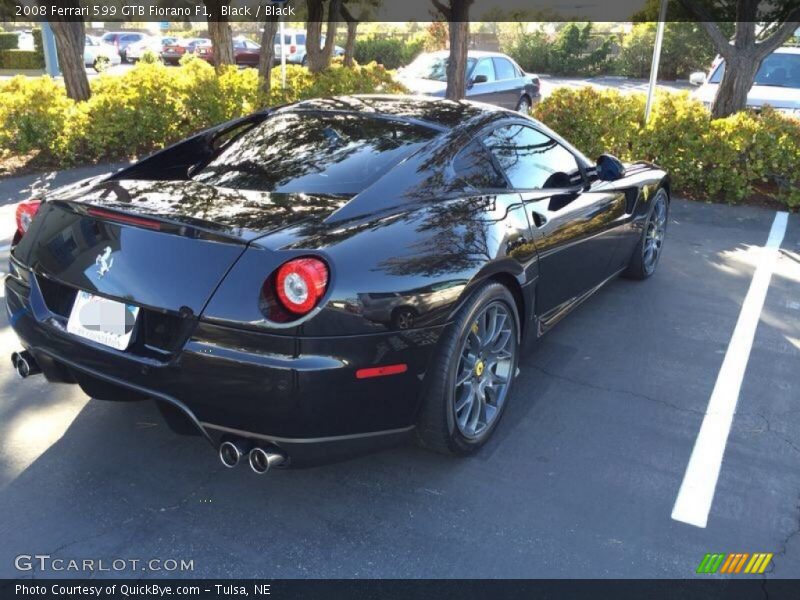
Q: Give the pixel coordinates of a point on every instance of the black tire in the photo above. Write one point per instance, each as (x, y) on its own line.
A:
(437, 428)
(640, 266)
(524, 106)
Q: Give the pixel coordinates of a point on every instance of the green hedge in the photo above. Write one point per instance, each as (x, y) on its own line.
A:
(8, 41)
(392, 53)
(21, 59)
(729, 159)
(151, 106)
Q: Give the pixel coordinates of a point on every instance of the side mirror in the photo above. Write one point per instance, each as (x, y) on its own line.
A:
(479, 79)
(610, 168)
(698, 78)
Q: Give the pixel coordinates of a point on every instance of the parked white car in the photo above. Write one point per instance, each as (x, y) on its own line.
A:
(777, 82)
(98, 55)
(25, 40)
(295, 43)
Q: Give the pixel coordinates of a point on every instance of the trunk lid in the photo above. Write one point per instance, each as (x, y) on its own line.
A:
(159, 244)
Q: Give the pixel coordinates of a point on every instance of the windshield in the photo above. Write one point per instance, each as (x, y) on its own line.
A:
(431, 66)
(314, 153)
(777, 70)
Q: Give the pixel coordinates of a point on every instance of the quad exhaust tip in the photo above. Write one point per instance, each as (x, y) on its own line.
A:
(262, 460)
(230, 454)
(25, 364)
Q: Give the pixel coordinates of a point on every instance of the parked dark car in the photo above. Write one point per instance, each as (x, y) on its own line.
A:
(491, 77)
(245, 52)
(248, 278)
(121, 40)
(173, 53)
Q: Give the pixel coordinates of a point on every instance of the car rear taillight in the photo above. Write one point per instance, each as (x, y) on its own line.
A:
(300, 283)
(25, 213)
(292, 49)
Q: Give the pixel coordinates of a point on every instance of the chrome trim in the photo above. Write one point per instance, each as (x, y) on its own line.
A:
(229, 446)
(549, 320)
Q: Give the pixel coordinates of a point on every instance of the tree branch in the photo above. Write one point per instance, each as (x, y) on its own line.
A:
(781, 34)
(445, 10)
(346, 14)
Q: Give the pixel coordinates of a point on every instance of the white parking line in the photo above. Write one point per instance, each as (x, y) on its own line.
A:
(700, 480)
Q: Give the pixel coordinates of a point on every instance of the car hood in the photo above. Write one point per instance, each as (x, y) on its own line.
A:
(243, 214)
(425, 87)
(760, 95)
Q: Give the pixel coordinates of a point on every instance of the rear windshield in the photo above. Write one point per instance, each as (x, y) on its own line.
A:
(314, 153)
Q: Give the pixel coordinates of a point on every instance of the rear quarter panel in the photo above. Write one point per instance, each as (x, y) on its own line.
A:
(420, 262)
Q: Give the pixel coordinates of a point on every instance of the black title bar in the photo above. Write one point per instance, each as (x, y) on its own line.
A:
(394, 589)
(389, 10)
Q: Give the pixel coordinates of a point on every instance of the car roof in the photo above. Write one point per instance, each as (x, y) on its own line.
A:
(437, 112)
(788, 50)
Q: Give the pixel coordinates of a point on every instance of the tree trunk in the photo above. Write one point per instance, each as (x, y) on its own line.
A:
(740, 72)
(457, 15)
(219, 30)
(70, 40)
(457, 65)
(350, 45)
(318, 59)
(267, 56)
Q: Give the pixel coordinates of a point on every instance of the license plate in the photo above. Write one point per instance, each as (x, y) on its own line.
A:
(101, 320)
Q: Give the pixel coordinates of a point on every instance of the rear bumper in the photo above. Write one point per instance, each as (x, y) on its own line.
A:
(299, 393)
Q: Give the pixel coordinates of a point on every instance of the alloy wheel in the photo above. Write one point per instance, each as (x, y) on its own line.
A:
(654, 236)
(484, 372)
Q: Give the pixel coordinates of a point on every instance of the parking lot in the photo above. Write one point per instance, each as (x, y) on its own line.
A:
(579, 481)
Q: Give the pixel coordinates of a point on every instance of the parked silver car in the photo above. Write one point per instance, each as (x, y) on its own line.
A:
(156, 45)
(777, 82)
(122, 39)
(492, 77)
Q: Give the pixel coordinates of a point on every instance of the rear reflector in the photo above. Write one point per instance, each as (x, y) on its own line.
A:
(381, 371)
(112, 216)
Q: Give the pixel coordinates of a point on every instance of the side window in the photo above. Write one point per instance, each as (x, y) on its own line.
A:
(301, 39)
(484, 67)
(475, 167)
(532, 160)
(504, 69)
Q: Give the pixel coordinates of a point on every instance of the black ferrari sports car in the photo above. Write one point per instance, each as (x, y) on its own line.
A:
(325, 278)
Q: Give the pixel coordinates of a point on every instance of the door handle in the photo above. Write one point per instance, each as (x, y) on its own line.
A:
(538, 219)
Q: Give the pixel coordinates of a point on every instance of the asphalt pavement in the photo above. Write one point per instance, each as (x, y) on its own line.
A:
(580, 479)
